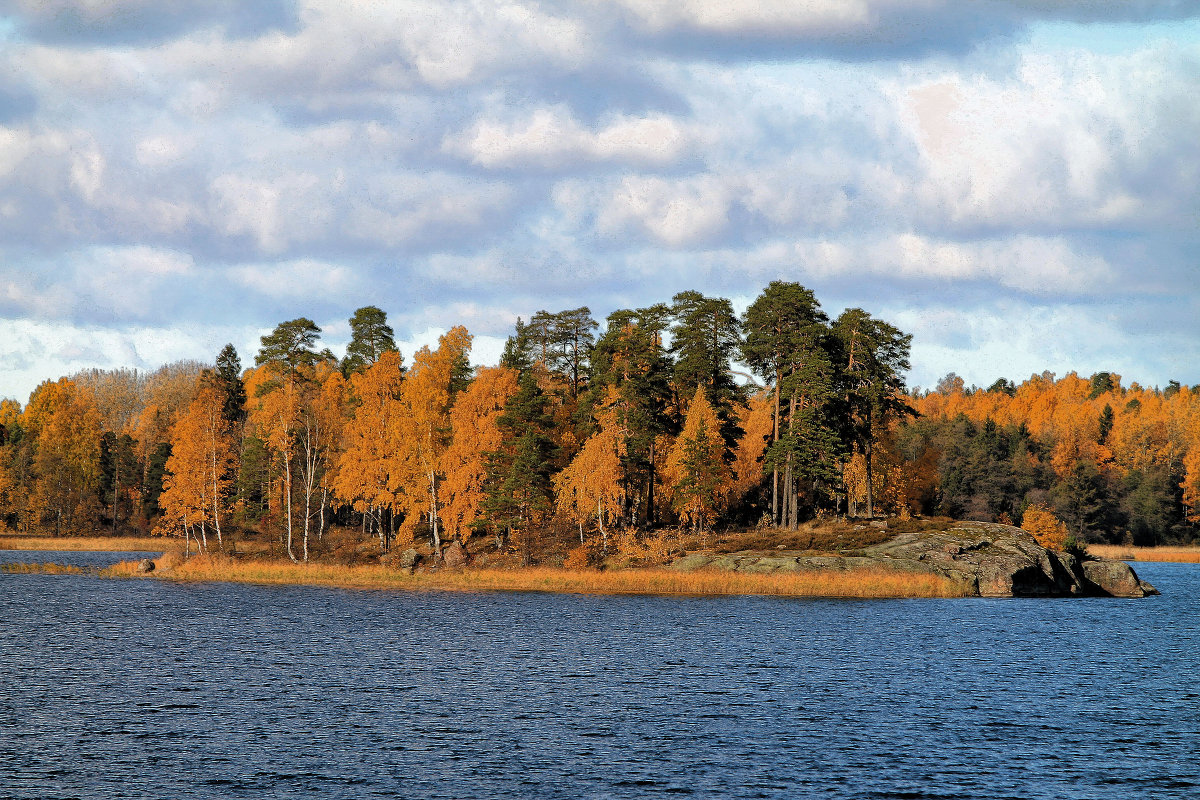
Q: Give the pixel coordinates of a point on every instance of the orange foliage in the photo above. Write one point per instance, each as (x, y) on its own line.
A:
(757, 424)
(473, 422)
(199, 476)
(365, 476)
(424, 428)
(592, 485)
(698, 479)
(1048, 529)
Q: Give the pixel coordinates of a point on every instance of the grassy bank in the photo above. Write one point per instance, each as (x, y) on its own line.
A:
(79, 543)
(1186, 555)
(652, 581)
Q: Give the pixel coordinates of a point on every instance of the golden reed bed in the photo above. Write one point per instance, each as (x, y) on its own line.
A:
(1186, 555)
(92, 543)
(859, 584)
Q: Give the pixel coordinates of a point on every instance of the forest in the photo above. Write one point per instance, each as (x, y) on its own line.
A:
(679, 416)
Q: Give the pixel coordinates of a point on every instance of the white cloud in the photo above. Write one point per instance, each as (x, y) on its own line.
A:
(675, 213)
(770, 16)
(31, 351)
(1064, 142)
(1015, 340)
(552, 138)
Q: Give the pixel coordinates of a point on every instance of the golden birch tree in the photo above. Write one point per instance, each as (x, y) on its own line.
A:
(475, 432)
(425, 426)
(367, 474)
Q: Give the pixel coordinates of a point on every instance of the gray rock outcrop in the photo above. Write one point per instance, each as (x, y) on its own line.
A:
(984, 559)
(145, 565)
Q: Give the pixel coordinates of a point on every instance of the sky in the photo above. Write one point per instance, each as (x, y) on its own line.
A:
(1013, 182)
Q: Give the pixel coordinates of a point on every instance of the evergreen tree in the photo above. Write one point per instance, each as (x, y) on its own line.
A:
(788, 344)
(228, 376)
(518, 485)
(631, 360)
(289, 347)
(120, 473)
(875, 358)
(705, 338)
(370, 337)
(1085, 503)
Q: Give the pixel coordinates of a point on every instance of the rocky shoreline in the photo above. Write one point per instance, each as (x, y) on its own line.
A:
(984, 559)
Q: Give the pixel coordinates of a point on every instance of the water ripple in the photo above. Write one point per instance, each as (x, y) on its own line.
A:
(142, 689)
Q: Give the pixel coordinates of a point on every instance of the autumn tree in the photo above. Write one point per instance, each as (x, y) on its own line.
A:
(1049, 530)
(698, 478)
(199, 482)
(319, 430)
(474, 431)
(66, 459)
(592, 486)
(288, 358)
(428, 394)
(368, 470)
(758, 426)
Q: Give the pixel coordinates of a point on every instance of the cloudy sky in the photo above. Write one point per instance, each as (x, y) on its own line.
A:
(1014, 182)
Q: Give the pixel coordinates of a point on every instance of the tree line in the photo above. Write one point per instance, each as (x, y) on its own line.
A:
(583, 430)
(1117, 464)
(638, 425)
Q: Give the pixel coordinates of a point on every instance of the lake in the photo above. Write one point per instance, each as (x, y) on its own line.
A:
(148, 689)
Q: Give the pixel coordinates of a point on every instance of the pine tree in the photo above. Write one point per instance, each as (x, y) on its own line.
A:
(518, 487)
(228, 376)
(705, 338)
(370, 337)
(874, 360)
(630, 359)
(788, 343)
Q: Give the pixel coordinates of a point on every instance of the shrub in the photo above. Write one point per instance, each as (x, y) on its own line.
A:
(1049, 530)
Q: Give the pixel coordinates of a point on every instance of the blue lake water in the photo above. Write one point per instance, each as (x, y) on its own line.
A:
(147, 689)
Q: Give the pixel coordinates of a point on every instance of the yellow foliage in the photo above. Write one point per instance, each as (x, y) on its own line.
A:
(591, 486)
(1048, 529)
(698, 479)
(363, 473)
(475, 432)
(757, 426)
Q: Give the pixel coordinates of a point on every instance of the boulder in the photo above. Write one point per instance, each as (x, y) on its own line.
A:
(408, 559)
(454, 555)
(984, 559)
(1115, 579)
(145, 565)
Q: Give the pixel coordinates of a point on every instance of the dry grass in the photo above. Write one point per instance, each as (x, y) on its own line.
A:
(863, 584)
(122, 569)
(43, 569)
(80, 543)
(1186, 555)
